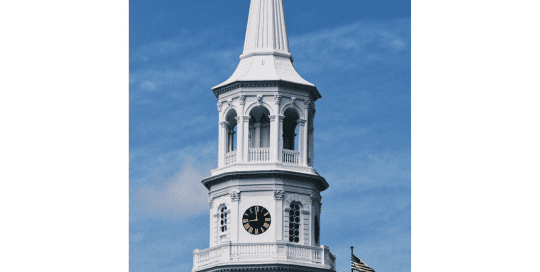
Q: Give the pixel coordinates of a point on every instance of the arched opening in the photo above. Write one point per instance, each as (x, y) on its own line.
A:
(290, 129)
(231, 131)
(259, 127)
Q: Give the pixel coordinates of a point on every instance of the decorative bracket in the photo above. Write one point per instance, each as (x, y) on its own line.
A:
(219, 105)
(259, 99)
(277, 99)
(242, 100)
(235, 195)
(278, 194)
(211, 202)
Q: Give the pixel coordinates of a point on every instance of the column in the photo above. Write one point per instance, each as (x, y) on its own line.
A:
(240, 139)
(246, 137)
(280, 136)
(273, 139)
(257, 135)
(222, 143)
(302, 142)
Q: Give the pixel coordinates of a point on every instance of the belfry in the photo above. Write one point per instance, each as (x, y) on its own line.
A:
(264, 196)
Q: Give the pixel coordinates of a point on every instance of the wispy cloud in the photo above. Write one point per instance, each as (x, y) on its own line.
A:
(173, 195)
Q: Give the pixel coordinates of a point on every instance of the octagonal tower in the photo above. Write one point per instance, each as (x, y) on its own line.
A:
(264, 196)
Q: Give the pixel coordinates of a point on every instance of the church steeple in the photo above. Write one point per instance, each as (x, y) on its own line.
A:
(266, 31)
(266, 55)
(265, 194)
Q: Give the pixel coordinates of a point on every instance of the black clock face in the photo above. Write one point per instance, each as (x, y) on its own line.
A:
(256, 220)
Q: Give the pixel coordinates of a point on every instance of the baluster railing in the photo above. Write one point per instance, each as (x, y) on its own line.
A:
(291, 156)
(259, 154)
(231, 253)
(230, 157)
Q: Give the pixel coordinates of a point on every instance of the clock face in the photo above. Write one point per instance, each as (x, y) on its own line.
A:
(256, 220)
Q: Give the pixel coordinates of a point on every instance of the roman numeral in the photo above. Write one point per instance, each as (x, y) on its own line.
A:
(246, 226)
(250, 230)
(266, 214)
(245, 221)
(262, 230)
(266, 225)
(256, 231)
(267, 219)
(257, 209)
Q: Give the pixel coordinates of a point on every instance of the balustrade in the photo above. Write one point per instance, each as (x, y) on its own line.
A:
(291, 156)
(230, 157)
(259, 154)
(230, 253)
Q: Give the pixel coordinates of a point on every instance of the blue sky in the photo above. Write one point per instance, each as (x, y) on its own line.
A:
(359, 56)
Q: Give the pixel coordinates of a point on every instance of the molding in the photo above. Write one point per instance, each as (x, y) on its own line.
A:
(319, 182)
(311, 90)
(219, 105)
(242, 100)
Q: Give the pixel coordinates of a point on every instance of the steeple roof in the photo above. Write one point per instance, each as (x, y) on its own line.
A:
(266, 55)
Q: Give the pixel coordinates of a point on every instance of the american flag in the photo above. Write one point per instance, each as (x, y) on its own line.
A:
(358, 265)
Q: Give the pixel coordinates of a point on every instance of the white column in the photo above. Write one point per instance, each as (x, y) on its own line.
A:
(246, 138)
(302, 142)
(222, 143)
(280, 137)
(257, 135)
(273, 139)
(240, 139)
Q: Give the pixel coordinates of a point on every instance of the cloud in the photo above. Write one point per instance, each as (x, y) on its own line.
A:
(351, 46)
(173, 195)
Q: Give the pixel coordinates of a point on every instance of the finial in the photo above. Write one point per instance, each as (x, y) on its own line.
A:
(352, 249)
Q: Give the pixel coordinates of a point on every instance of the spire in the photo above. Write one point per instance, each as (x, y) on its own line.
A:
(266, 55)
(266, 31)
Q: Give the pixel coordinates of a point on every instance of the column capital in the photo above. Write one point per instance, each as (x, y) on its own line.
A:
(246, 118)
(237, 118)
(277, 99)
(278, 194)
(272, 118)
(224, 124)
(281, 117)
(235, 195)
(301, 122)
(242, 100)
(219, 105)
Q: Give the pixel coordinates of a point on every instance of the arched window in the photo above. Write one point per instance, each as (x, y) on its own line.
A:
(317, 230)
(290, 129)
(259, 127)
(294, 222)
(223, 221)
(231, 130)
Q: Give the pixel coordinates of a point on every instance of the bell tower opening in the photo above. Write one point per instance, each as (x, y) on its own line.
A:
(290, 129)
(231, 131)
(259, 127)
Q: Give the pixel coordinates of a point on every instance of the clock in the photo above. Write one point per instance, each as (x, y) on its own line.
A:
(256, 220)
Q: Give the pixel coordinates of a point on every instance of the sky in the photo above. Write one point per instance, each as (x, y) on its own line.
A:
(357, 53)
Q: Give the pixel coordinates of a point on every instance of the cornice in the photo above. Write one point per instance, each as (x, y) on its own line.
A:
(319, 181)
(314, 93)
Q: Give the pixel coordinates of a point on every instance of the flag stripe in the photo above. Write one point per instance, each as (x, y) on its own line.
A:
(358, 265)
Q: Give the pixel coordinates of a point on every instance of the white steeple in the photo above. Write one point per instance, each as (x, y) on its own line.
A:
(266, 55)
(265, 195)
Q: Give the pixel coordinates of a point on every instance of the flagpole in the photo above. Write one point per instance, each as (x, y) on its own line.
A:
(351, 257)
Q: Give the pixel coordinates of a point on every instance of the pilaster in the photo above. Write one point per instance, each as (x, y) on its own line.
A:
(278, 197)
(280, 137)
(235, 226)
